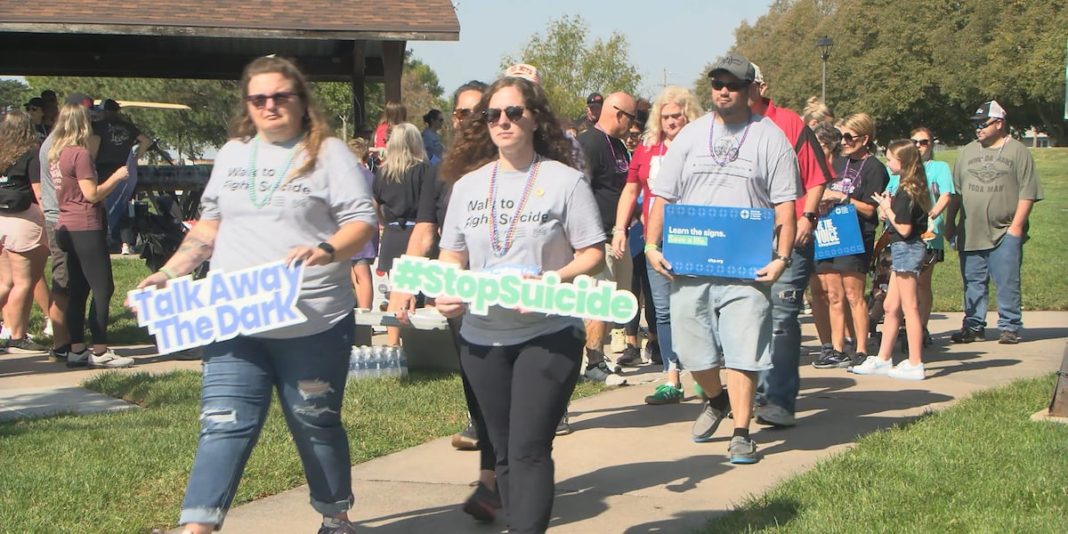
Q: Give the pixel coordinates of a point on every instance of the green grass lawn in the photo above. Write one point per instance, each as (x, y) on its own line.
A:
(980, 466)
(127, 472)
(1044, 285)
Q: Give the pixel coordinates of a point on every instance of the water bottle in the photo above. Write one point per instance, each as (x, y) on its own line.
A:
(402, 363)
(378, 361)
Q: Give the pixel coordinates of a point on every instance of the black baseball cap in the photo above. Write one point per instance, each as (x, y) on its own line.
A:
(595, 99)
(35, 102)
(734, 64)
(111, 105)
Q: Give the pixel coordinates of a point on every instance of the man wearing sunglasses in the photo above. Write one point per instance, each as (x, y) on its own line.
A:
(997, 185)
(35, 108)
(732, 158)
(778, 387)
(607, 161)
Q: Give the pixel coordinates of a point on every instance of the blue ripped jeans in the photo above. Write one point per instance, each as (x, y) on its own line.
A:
(240, 375)
(780, 384)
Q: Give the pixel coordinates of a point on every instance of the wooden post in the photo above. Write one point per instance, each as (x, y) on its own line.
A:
(1058, 407)
(393, 66)
(359, 86)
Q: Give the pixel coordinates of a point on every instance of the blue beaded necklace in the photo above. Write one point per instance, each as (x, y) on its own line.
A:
(253, 167)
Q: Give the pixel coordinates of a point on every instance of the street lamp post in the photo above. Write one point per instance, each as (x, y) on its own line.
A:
(824, 44)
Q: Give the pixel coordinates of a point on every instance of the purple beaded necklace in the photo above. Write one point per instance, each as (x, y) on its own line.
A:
(500, 249)
(732, 152)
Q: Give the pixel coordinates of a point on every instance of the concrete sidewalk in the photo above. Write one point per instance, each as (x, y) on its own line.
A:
(629, 467)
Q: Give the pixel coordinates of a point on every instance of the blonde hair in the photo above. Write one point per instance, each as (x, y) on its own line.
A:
(816, 110)
(672, 94)
(912, 179)
(360, 147)
(862, 124)
(313, 124)
(71, 129)
(16, 138)
(403, 150)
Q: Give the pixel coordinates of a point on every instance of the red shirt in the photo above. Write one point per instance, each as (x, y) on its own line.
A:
(76, 213)
(638, 173)
(810, 159)
(381, 132)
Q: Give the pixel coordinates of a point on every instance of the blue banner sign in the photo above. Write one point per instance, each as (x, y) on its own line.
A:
(715, 241)
(838, 233)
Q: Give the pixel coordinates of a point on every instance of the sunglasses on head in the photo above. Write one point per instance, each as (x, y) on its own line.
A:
(733, 87)
(626, 114)
(280, 98)
(849, 138)
(493, 115)
(921, 142)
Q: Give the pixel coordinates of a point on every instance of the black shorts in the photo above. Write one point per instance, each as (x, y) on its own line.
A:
(856, 263)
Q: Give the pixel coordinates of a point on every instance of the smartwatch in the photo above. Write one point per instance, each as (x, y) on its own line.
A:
(812, 216)
(329, 249)
(785, 259)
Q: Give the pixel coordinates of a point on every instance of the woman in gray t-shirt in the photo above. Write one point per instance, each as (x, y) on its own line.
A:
(283, 188)
(519, 206)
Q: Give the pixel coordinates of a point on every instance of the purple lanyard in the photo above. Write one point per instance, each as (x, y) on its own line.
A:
(616, 159)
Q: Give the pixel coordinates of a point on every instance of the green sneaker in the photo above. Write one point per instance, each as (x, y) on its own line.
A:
(665, 394)
(697, 390)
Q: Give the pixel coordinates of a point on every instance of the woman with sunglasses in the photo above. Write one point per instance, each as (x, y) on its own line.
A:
(23, 245)
(673, 108)
(940, 185)
(518, 206)
(282, 189)
(859, 176)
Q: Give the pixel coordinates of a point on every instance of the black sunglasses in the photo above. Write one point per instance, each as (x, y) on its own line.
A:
(849, 138)
(493, 115)
(733, 87)
(280, 98)
(461, 113)
(921, 142)
(982, 125)
(626, 114)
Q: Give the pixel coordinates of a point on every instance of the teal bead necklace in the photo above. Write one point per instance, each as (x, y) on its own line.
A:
(253, 169)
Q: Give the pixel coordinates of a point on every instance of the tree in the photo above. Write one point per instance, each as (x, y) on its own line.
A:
(13, 93)
(570, 69)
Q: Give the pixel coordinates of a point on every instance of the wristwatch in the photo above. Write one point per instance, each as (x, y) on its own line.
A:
(785, 259)
(329, 249)
(812, 216)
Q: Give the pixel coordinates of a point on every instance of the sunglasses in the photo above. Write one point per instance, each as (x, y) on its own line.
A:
(733, 87)
(983, 125)
(493, 115)
(626, 114)
(461, 113)
(280, 99)
(850, 138)
(921, 142)
(32, 108)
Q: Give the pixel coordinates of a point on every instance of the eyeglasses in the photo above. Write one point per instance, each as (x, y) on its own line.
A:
(733, 87)
(673, 116)
(493, 115)
(848, 138)
(626, 114)
(634, 135)
(983, 125)
(461, 113)
(921, 142)
(280, 99)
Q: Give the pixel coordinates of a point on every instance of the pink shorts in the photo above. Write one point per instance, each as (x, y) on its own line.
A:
(23, 231)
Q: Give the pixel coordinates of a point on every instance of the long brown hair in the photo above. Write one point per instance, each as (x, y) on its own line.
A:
(393, 114)
(71, 129)
(473, 147)
(16, 138)
(313, 124)
(912, 179)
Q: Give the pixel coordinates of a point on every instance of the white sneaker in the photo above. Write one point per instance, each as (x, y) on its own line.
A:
(109, 360)
(601, 373)
(4, 332)
(47, 330)
(872, 366)
(907, 371)
(126, 251)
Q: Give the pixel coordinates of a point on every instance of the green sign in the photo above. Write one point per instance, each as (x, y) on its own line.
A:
(585, 297)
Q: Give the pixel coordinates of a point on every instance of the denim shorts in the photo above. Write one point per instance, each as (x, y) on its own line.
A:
(908, 256)
(721, 322)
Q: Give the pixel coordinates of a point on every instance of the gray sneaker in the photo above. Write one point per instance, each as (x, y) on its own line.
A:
(775, 415)
(563, 428)
(601, 373)
(708, 421)
(23, 345)
(742, 451)
(336, 526)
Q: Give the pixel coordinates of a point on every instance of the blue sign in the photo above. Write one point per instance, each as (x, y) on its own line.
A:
(838, 233)
(714, 241)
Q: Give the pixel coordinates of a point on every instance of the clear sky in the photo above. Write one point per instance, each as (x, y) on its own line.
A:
(678, 35)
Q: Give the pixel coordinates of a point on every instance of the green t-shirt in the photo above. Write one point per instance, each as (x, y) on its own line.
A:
(990, 182)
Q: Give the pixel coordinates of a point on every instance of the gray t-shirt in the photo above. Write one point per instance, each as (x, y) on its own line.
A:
(49, 203)
(990, 181)
(765, 172)
(560, 217)
(305, 211)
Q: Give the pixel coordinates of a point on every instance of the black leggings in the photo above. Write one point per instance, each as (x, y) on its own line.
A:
(487, 457)
(523, 391)
(89, 267)
(640, 287)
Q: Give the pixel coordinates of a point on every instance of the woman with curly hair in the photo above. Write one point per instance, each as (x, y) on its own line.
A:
(520, 207)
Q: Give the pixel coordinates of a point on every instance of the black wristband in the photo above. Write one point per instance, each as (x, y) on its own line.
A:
(811, 215)
(328, 248)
